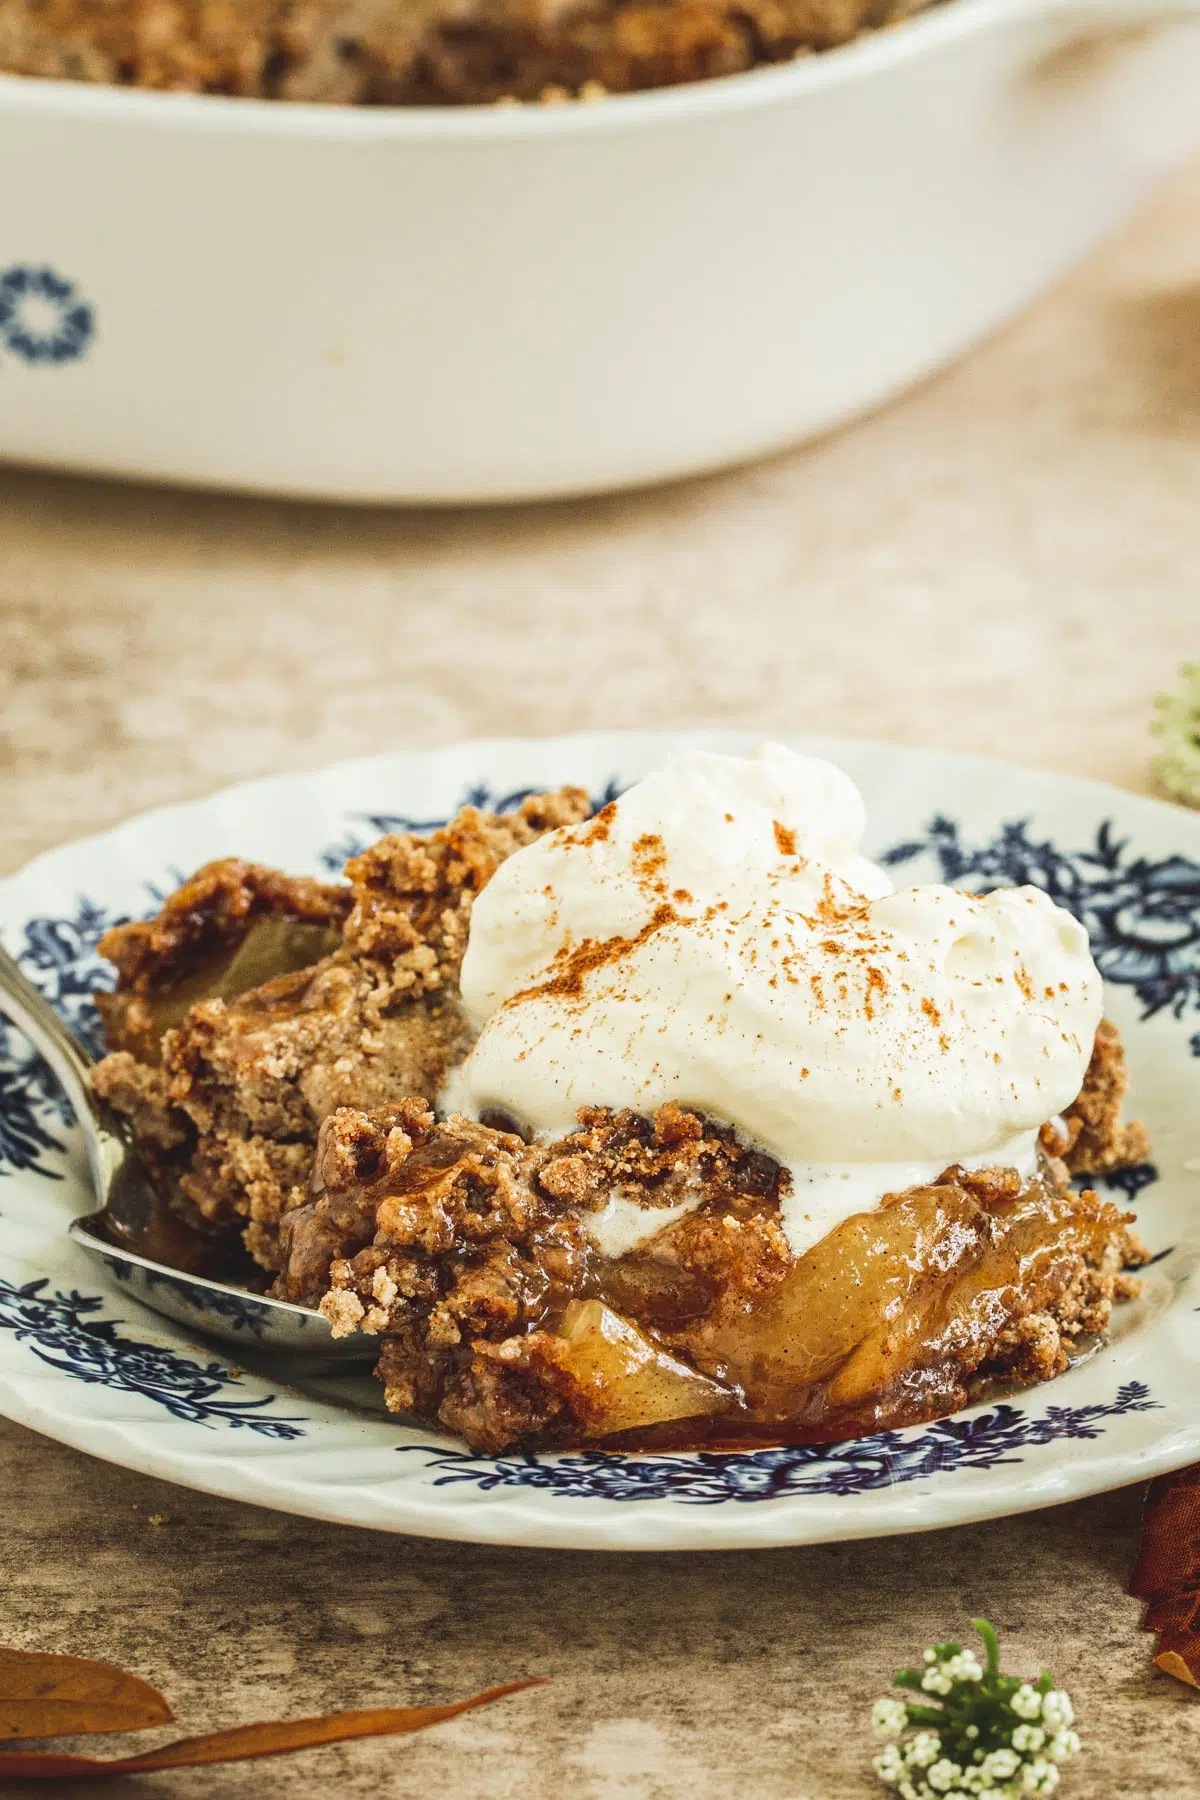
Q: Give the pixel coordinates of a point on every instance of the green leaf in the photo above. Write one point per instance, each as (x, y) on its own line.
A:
(987, 1632)
(926, 1715)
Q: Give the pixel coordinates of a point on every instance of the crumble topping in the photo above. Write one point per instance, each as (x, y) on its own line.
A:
(419, 52)
(1100, 1141)
(227, 1098)
(455, 1242)
(210, 910)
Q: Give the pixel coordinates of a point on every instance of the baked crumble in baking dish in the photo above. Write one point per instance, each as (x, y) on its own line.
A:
(419, 52)
(312, 1075)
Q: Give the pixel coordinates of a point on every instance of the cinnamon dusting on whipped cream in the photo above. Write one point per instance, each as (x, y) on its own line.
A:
(715, 938)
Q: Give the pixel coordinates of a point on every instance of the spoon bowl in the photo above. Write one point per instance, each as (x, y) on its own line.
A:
(133, 1219)
(219, 1309)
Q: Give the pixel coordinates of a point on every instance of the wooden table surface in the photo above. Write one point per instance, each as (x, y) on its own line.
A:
(1008, 561)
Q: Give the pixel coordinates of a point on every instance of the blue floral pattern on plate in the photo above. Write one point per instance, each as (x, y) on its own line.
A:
(1142, 916)
(855, 1467)
(60, 956)
(63, 1331)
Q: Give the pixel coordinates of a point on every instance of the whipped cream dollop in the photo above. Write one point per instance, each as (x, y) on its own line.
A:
(716, 937)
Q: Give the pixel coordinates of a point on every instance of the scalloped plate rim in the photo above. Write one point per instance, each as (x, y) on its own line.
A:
(732, 740)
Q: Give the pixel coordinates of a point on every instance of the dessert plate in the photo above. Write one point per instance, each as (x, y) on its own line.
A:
(82, 1361)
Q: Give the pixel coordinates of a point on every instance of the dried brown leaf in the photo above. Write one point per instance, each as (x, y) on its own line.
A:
(44, 1696)
(1167, 1573)
(1171, 1663)
(243, 1742)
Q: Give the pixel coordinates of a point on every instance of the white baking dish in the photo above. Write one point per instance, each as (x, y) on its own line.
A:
(482, 303)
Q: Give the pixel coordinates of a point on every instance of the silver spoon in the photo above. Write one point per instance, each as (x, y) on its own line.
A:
(131, 1212)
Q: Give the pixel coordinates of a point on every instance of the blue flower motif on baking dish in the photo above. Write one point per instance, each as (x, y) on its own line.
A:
(64, 1333)
(859, 1466)
(43, 317)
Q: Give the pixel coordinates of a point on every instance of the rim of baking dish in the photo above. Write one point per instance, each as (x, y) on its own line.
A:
(874, 53)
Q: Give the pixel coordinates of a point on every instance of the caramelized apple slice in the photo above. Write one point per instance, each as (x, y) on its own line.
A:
(271, 947)
(883, 1318)
(621, 1380)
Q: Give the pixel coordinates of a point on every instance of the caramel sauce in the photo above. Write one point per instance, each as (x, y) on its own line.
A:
(176, 1236)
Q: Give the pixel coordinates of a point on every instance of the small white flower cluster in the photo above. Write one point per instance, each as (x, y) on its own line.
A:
(950, 1763)
(941, 1673)
(889, 1717)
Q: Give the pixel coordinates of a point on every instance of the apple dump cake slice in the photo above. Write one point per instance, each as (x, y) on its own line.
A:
(744, 1137)
(673, 1124)
(254, 1005)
